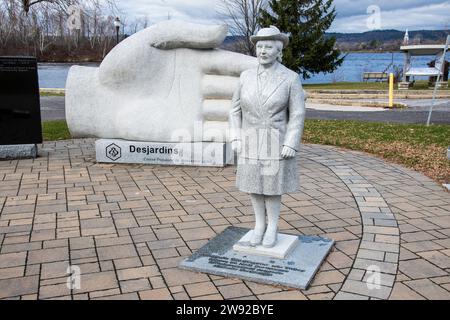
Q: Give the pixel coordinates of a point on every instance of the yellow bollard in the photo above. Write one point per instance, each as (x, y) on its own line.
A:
(391, 90)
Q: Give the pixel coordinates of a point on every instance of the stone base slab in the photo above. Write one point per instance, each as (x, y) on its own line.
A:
(208, 154)
(283, 247)
(295, 271)
(18, 151)
(404, 85)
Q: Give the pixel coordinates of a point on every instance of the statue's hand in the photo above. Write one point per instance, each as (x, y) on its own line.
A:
(288, 153)
(166, 83)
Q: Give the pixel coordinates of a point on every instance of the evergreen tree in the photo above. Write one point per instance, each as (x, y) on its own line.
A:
(306, 21)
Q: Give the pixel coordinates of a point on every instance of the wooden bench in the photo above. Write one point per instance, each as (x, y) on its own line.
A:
(377, 76)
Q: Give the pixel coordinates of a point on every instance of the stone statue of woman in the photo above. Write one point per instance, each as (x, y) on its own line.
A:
(267, 121)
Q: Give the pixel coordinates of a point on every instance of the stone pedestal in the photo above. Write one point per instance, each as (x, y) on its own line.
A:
(19, 151)
(285, 244)
(295, 270)
(208, 154)
(404, 85)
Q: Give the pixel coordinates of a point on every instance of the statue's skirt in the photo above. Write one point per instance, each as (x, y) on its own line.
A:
(267, 177)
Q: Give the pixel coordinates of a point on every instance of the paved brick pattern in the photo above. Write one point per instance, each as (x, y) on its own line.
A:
(126, 227)
(412, 234)
(379, 249)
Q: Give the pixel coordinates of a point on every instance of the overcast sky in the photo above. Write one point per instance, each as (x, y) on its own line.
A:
(352, 15)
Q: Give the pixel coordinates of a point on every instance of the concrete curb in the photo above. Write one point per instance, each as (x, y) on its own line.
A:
(375, 94)
(359, 103)
(52, 90)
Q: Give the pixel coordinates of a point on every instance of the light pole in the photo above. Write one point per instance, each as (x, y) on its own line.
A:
(117, 25)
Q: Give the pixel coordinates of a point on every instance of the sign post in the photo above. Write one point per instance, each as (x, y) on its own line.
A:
(447, 43)
(391, 90)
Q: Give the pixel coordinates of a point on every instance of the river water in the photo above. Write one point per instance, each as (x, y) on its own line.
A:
(54, 75)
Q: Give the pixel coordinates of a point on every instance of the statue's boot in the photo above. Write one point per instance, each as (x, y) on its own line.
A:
(256, 239)
(259, 208)
(273, 207)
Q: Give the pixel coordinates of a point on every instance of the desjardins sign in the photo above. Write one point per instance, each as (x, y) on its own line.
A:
(151, 150)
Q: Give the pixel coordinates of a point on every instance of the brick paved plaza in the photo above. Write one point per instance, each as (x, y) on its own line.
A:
(128, 226)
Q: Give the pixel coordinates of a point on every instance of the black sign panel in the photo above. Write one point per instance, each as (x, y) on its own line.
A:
(20, 113)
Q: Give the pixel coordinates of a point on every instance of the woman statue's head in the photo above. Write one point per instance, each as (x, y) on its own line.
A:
(269, 45)
(269, 51)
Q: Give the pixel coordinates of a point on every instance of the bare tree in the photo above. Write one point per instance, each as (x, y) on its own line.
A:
(44, 32)
(138, 24)
(28, 3)
(243, 19)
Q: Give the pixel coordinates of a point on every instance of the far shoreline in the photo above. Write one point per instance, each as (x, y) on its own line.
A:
(99, 61)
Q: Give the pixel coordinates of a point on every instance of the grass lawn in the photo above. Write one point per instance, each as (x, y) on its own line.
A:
(417, 147)
(52, 94)
(419, 85)
(55, 130)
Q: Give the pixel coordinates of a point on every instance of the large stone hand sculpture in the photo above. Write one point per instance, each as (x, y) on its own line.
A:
(161, 84)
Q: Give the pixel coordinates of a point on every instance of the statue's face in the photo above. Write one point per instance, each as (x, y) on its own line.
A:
(267, 51)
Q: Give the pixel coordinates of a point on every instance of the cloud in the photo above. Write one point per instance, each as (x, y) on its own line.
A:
(203, 11)
(351, 14)
(426, 17)
(347, 8)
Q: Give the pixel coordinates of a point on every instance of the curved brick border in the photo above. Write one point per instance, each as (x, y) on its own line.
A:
(376, 264)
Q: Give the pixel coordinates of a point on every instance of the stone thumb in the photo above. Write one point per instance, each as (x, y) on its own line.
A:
(179, 34)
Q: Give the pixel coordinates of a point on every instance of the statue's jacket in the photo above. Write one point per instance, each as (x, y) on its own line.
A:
(266, 116)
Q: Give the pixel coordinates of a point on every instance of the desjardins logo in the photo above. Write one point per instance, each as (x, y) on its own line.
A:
(113, 152)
